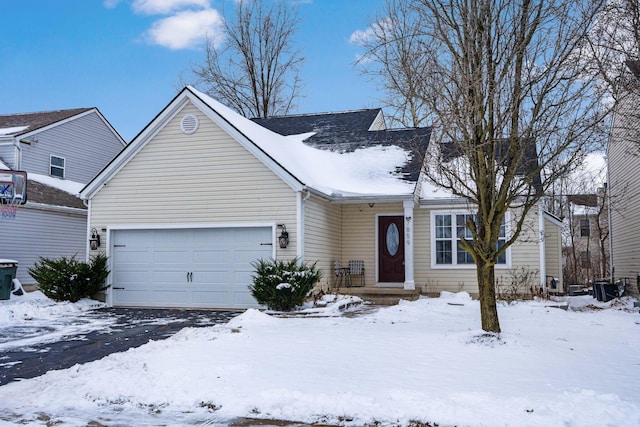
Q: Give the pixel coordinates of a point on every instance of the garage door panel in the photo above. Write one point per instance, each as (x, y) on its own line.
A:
(216, 277)
(137, 297)
(122, 276)
(172, 298)
(244, 256)
(174, 278)
(243, 298)
(200, 268)
(211, 257)
(129, 256)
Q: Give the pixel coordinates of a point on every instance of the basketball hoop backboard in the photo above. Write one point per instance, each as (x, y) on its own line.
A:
(13, 192)
(13, 187)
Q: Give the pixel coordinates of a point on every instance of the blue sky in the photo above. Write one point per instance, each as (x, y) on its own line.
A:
(123, 57)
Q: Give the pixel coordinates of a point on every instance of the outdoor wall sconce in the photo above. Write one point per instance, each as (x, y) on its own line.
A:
(284, 237)
(94, 240)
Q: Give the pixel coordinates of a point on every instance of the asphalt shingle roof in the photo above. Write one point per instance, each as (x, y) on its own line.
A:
(37, 120)
(348, 131)
(38, 192)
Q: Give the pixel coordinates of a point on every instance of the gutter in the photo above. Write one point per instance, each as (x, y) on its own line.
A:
(55, 208)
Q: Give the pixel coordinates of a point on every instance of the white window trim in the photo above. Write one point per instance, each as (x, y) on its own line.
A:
(454, 265)
(51, 165)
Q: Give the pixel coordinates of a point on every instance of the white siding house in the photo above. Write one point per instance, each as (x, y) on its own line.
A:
(202, 193)
(623, 158)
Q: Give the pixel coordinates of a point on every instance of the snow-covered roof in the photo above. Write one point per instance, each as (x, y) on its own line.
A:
(369, 171)
(71, 187)
(12, 130)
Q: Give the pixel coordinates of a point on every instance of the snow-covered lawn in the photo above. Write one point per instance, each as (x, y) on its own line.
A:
(424, 361)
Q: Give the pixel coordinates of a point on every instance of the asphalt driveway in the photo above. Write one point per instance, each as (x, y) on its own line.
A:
(98, 333)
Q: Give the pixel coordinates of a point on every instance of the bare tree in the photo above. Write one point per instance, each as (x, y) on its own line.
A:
(255, 70)
(512, 110)
(391, 44)
(614, 39)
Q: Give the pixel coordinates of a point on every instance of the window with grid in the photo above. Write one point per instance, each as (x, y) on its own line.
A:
(56, 166)
(449, 230)
(584, 228)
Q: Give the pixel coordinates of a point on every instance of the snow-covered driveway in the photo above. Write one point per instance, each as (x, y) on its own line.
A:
(38, 335)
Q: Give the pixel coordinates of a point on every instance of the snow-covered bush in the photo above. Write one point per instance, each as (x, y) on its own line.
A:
(67, 279)
(283, 285)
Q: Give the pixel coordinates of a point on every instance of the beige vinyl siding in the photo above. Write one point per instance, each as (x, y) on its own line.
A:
(624, 192)
(553, 251)
(359, 229)
(524, 254)
(203, 178)
(323, 236)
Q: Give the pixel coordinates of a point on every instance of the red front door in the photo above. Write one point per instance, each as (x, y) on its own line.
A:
(390, 249)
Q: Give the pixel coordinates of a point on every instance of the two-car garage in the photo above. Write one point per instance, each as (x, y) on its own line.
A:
(186, 267)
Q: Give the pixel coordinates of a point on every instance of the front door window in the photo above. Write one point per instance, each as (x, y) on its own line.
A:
(393, 239)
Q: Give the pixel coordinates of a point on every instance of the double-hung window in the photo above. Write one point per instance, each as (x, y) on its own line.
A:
(584, 228)
(448, 230)
(56, 166)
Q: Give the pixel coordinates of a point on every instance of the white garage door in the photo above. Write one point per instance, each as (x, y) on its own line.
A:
(196, 268)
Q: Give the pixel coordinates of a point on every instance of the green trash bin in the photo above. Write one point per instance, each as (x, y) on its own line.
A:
(8, 268)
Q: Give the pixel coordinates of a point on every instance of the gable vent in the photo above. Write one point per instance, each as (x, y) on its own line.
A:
(189, 124)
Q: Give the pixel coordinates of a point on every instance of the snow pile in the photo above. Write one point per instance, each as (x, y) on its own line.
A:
(425, 360)
(33, 319)
(36, 306)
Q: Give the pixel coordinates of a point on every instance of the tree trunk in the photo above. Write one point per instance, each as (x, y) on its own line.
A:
(487, 293)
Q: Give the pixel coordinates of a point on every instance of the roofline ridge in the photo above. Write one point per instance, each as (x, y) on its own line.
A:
(318, 114)
(48, 111)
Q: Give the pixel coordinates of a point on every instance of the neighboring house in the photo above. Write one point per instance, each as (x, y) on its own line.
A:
(202, 192)
(60, 151)
(586, 246)
(623, 154)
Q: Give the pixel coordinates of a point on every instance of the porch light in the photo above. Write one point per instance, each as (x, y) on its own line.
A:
(284, 237)
(94, 240)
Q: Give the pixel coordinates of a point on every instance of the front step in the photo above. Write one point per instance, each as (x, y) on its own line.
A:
(380, 296)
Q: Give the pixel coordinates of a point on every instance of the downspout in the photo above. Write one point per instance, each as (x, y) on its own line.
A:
(300, 224)
(18, 164)
(543, 255)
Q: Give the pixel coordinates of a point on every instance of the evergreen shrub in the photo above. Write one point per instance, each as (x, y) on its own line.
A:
(67, 279)
(283, 285)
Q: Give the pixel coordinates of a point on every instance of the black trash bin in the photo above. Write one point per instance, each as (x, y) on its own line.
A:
(8, 268)
(598, 290)
(609, 291)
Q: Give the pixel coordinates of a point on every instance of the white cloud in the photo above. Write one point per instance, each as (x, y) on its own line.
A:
(164, 7)
(362, 37)
(110, 4)
(186, 29)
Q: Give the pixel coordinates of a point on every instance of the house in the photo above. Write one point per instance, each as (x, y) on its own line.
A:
(202, 192)
(623, 154)
(61, 151)
(586, 246)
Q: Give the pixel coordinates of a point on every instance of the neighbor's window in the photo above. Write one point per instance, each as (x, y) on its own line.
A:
(56, 166)
(584, 228)
(585, 259)
(448, 230)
